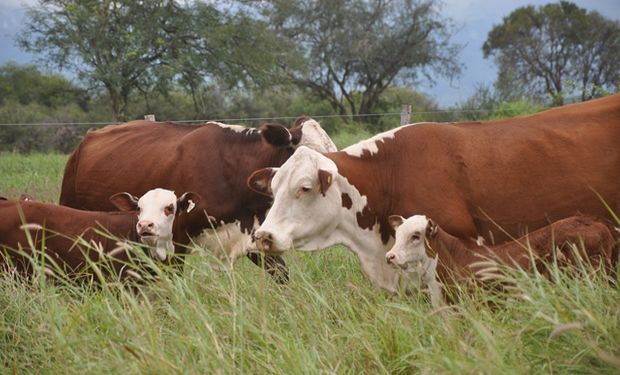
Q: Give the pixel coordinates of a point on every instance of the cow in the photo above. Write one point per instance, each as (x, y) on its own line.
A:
(491, 179)
(212, 159)
(424, 247)
(28, 226)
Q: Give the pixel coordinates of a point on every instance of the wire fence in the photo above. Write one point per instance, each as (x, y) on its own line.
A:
(254, 119)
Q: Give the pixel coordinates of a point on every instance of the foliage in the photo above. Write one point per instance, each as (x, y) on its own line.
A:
(120, 45)
(25, 84)
(487, 103)
(354, 46)
(539, 49)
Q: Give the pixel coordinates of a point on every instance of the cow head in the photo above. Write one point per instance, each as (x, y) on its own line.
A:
(306, 204)
(411, 236)
(304, 132)
(157, 210)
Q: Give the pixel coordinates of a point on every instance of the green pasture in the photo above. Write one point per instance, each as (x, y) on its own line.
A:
(328, 319)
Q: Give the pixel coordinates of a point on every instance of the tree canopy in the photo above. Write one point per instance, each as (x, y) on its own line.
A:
(556, 49)
(362, 46)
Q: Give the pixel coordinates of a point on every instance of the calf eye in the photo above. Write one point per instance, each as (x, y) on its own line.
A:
(415, 237)
(305, 189)
(169, 210)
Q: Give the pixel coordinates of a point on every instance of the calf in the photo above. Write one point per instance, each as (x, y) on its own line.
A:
(421, 242)
(28, 226)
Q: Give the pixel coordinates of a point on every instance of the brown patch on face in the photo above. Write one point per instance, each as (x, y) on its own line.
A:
(169, 210)
(346, 201)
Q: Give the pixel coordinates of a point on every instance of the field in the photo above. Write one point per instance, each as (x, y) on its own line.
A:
(328, 319)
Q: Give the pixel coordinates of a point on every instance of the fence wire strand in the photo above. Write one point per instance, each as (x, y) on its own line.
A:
(246, 119)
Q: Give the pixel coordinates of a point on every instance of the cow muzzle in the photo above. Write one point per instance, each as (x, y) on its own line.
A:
(146, 231)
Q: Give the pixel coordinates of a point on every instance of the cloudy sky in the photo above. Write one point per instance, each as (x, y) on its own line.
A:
(474, 18)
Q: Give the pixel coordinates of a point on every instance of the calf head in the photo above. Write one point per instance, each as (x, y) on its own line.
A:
(306, 202)
(412, 236)
(157, 210)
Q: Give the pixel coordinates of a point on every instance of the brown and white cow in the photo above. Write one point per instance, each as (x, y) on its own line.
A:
(35, 226)
(212, 159)
(424, 247)
(494, 179)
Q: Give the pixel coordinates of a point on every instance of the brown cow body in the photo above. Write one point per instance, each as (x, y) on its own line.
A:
(586, 236)
(54, 229)
(212, 159)
(495, 179)
(29, 226)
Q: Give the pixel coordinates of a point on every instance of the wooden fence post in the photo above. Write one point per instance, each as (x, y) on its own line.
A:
(405, 114)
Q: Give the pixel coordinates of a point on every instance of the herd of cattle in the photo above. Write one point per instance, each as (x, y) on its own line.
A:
(424, 202)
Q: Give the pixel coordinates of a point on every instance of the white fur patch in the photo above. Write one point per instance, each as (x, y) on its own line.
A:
(235, 128)
(371, 144)
(313, 136)
(227, 242)
(190, 205)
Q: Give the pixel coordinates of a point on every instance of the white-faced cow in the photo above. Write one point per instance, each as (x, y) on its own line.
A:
(212, 159)
(27, 226)
(423, 247)
(492, 179)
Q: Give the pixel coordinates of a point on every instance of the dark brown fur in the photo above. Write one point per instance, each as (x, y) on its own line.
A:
(213, 161)
(593, 238)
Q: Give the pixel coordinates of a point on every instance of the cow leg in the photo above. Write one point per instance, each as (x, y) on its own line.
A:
(273, 264)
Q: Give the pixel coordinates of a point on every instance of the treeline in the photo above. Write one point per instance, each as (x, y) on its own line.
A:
(352, 60)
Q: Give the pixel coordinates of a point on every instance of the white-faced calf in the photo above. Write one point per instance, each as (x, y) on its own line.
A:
(29, 226)
(419, 241)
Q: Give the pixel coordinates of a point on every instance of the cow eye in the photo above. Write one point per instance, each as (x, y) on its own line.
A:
(415, 237)
(169, 210)
(305, 189)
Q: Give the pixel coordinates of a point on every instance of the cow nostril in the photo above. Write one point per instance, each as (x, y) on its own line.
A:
(389, 258)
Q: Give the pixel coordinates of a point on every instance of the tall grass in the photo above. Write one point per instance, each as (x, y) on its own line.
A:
(328, 319)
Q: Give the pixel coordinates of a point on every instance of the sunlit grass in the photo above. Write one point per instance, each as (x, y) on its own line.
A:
(38, 175)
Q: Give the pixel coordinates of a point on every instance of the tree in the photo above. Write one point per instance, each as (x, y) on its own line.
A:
(355, 49)
(118, 44)
(544, 48)
(26, 84)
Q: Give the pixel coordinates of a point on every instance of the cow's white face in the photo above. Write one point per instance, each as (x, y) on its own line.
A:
(306, 203)
(409, 249)
(157, 210)
(313, 136)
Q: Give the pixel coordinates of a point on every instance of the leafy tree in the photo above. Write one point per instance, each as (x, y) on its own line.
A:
(118, 44)
(542, 48)
(362, 46)
(25, 84)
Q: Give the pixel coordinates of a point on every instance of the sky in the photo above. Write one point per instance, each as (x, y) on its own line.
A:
(473, 18)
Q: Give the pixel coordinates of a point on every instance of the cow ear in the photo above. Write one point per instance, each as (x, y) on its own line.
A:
(396, 221)
(260, 181)
(325, 180)
(276, 135)
(187, 202)
(431, 229)
(124, 201)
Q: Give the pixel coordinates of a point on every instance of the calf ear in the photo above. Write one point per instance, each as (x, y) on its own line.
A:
(276, 135)
(431, 229)
(260, 181)
(395, 221)
(325, 180)
(124, 201)
(187, 202)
